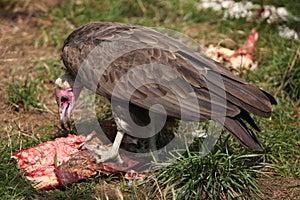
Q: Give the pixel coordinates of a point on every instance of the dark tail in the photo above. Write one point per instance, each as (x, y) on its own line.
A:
(241, 132)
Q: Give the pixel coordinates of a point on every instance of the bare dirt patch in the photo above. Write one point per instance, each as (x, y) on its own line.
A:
(19, 54)
(280, 188)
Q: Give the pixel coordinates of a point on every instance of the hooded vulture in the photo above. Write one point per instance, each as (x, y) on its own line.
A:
(153, 76)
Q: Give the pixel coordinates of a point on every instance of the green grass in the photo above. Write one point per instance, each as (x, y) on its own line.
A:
(13, 183)
(219, 175)
(230, 170)
(24, 94)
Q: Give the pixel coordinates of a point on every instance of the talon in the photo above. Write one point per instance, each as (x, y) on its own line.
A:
(109, 156)
(106, 154)
(96, 150)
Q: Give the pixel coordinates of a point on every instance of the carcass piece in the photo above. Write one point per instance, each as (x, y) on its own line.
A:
(39, 162)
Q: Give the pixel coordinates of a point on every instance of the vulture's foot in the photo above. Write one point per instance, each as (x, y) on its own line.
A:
(108, 154)
(105, 154)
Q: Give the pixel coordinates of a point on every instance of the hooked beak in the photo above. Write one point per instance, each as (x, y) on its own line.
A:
(65, 100)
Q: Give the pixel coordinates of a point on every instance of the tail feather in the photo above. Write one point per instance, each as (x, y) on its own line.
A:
(243, 95)
(241, 132)
(246, 116)
(271, 98)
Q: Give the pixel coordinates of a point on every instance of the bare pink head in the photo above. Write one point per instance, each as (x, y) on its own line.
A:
(65, 98)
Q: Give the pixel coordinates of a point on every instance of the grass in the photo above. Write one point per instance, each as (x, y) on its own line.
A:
(220, 175)
(24, 94)
(13, 183)
(229, 171)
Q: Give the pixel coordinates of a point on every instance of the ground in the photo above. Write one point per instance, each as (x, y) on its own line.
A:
(28, 52)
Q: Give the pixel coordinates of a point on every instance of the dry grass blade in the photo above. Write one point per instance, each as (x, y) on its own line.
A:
(288, 70)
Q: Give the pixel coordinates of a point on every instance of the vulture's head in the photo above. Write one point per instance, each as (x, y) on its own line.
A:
(65, 98)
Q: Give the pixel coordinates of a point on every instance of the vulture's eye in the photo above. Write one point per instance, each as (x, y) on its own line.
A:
(64, 99)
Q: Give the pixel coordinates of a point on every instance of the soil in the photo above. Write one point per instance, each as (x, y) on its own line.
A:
(280, 188)
(19, 54)
(20, 25)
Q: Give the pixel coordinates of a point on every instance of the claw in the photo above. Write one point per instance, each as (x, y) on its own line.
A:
(106, 154)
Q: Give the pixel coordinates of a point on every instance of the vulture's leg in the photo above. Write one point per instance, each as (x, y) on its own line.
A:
(152, 141)
(114, 152)
(109, 153)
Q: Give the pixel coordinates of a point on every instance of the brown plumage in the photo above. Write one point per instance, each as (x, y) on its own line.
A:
(161, 70)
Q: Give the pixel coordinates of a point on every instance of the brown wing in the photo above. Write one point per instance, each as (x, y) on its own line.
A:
(145, 67)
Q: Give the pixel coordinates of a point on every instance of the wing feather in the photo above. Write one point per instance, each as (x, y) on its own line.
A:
(156, 69)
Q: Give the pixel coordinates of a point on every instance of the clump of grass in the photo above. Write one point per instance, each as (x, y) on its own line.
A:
(48, 71)
(220, 175)
(24, 94)
(291, 77)
(13, 184)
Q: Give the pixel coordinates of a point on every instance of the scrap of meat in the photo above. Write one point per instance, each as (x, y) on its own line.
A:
(61, 162)
(240, 58)
(39, 162)
(79, 167)
(82, 165)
